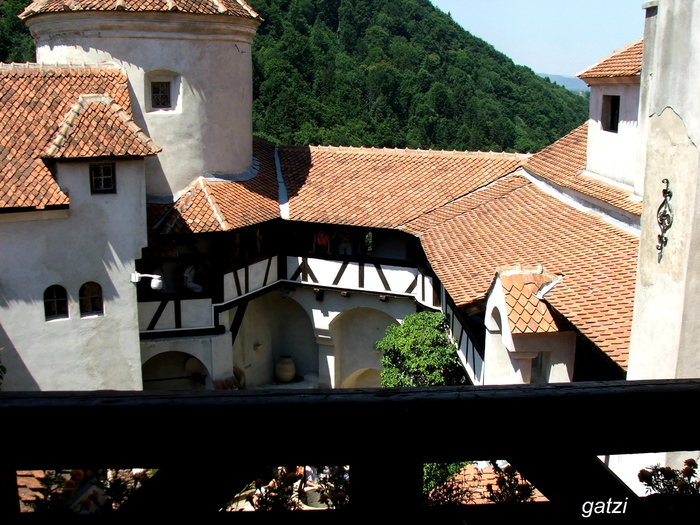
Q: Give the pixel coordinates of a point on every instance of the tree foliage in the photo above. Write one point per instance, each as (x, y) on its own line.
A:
(396, 73)
(418, 352)
(16, 45)
(510, 486)
(667, 480)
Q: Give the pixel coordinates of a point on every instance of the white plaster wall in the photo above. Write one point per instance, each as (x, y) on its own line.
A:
(399, 278)
(194, 313)
(355, 333)
(609, 154)
(211, 131)
(560, 348)
(508, 357)
(98, 241)
(666, 327)
(256, 278)
(258, 365)
(664, 330)
(293, 333)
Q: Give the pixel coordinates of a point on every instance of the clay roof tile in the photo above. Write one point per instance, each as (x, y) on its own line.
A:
(624, 62)
(41, 115)
(238, 8)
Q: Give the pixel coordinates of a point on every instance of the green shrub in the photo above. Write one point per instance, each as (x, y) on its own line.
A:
(419, 352)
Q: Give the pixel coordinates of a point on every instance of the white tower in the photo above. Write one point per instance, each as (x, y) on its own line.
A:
(190, 73)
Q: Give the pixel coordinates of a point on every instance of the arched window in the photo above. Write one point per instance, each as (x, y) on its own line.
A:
(90, 299)
(55, 302)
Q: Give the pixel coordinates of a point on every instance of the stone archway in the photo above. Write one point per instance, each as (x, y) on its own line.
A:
(354, 333)
(174, 371)
(363, 378)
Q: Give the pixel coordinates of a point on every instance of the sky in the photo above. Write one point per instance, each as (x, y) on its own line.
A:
(556, 37)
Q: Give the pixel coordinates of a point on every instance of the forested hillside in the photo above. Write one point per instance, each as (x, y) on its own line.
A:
(396, 73)
(15, 43)
(384, 73)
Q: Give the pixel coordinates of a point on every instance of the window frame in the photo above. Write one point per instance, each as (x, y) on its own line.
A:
(610, 113)
(60, 309)
(94, 189)
(169, 94)
(158, 78)
(94, 301)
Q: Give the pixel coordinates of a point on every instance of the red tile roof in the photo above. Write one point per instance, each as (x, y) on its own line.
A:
(516, 222)
(97, 126)
(237, 8)
(35, 103)
(471, 213)
(211, 205)
(29, 488)
(625, 62)
(473, 484)
(527, 314)
(563, 163)
(382, 188)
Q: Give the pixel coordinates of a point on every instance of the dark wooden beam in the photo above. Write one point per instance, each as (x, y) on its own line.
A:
(449, 423)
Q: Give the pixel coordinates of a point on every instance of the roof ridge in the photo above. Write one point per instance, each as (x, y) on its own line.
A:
(213, 202)
(65, 128)
(411, 151)
(608, 57)
(38, 67)
(238, 8)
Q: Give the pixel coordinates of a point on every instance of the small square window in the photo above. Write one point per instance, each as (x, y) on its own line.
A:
(160, 95)
(103, 178)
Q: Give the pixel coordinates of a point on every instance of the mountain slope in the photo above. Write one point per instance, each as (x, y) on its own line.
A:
(396, 73)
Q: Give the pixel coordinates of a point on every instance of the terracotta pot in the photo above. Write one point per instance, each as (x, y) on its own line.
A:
(285, 369)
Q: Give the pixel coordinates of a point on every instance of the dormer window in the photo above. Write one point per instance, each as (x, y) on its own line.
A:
(610, 118)
(160, 95)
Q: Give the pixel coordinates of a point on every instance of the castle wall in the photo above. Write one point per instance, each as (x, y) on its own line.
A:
(97, 240)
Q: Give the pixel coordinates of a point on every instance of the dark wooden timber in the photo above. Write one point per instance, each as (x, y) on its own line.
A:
(552, 433)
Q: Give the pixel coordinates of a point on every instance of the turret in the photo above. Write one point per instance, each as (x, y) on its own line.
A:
(190, 74)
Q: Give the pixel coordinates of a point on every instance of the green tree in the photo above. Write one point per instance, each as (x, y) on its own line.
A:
(16, 45)
(418, 352)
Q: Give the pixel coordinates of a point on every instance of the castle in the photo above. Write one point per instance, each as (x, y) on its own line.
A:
(151, 242)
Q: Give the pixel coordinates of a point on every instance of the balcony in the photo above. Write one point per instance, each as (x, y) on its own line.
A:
(553, 434)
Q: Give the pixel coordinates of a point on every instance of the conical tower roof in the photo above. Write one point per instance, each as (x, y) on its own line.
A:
(238, 8)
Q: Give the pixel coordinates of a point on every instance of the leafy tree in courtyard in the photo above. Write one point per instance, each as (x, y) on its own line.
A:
(418, 352)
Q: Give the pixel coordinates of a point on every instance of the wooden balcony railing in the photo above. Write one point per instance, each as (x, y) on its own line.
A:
(206, 444)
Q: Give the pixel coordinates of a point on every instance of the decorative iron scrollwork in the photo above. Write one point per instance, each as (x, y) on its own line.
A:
(664, 216)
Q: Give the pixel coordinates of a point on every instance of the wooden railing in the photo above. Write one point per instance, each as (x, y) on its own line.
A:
(207, 444)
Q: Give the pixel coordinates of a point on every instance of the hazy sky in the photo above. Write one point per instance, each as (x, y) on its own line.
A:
(558, 37)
